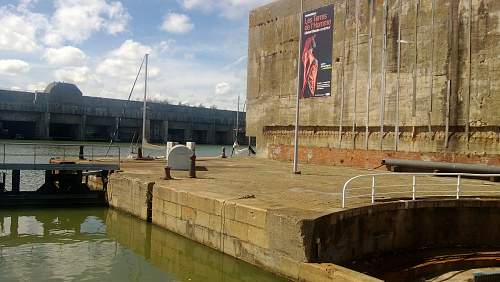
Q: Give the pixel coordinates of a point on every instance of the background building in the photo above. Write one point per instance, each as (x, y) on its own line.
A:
(443, 105)
(62, 112)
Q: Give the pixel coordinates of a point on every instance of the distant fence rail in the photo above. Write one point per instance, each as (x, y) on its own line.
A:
(42, 153)
(414, 185)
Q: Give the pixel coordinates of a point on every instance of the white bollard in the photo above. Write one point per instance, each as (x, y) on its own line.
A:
(192, 146)
(170, 145)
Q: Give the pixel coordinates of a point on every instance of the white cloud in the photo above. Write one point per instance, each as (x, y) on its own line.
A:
(76, 20)
(222, 88)
(18, 30)
(73, 74)
(14, 67)
(177, 23)
(38, 86)
(124, 61)
(64, 56)
(232, 9)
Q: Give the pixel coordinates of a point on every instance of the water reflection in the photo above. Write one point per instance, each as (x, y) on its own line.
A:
(105, 245)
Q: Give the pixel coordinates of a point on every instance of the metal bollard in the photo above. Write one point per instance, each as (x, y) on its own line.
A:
(167, 173)
(223, 155)
(80, 154)
(192, 169)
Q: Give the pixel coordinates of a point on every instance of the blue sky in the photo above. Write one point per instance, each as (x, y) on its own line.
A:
(198, 48)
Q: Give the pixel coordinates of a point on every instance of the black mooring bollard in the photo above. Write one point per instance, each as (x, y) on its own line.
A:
(192, 169)
(167, 173)
(81, 156)
(223, 155)
(16, 181)
(139, 153)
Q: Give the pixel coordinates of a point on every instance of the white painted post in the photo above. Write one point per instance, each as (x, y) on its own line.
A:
(458, 186)
(373, 189)
(414, 187)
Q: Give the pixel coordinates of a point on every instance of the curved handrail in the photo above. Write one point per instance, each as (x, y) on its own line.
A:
(414, 175)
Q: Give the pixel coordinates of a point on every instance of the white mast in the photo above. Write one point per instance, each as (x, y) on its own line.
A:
(237, 120)
(144, 104)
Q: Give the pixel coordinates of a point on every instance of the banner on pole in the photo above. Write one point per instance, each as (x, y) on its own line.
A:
(315, 74)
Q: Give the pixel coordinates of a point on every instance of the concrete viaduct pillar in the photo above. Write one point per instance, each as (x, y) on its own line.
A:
(43, 126)
(83, 128)
(211, 134)
(165, 131)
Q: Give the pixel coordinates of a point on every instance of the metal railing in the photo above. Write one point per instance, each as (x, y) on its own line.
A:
(42, 152)
(456, 193)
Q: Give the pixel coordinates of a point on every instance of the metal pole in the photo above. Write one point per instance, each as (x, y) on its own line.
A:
(296, 137)
(237, 120)
(355, 75)
(447, 121)
(369, 88)
(415, 63)
(431, 88)
(396, 127)
(458, 186)
(467, 100)
(383, 73)
(144, 102)
(343, 77)
(373, 189)
(414, 187)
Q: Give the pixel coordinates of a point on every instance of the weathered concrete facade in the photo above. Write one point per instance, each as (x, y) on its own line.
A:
(433, 92)
(67, 114)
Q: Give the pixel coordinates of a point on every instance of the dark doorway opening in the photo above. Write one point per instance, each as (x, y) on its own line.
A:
(176, 135)
(98, 133)
(60, 131)
(200, 136)
(223, 138)
(18, 129)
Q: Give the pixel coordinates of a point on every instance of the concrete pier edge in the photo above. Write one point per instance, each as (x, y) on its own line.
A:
(267, 239)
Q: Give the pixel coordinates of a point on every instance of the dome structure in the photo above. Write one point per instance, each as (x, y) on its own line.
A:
(63, 88)
(63, 93)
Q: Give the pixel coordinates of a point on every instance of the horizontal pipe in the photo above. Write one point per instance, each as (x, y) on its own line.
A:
(444, 166)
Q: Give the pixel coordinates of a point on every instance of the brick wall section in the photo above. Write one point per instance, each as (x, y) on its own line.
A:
(369, 158)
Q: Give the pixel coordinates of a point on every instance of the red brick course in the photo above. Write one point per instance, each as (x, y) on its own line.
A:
(369, 158)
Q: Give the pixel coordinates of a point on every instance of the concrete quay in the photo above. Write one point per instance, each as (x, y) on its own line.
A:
(257, 211)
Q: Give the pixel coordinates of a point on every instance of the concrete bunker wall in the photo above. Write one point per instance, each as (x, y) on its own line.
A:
(453, 40)
(405, 227)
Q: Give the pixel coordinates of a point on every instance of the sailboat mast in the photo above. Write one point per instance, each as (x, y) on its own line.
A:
(237, 119)
(144, 102)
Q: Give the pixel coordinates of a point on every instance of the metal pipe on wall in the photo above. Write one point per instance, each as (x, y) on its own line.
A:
(383, 73)
(467, 99)
(369, 88)
(396, 126)
(355, 77)
(343, 77)
(431, 86)
(447, 121)
(415, 62)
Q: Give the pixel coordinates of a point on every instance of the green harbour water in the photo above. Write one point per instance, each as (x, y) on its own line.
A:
(102, 244)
